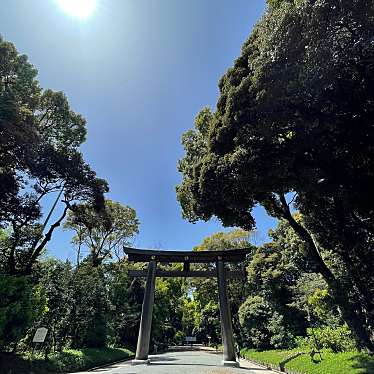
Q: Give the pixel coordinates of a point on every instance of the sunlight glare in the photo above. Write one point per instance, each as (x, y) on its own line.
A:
(81, 9)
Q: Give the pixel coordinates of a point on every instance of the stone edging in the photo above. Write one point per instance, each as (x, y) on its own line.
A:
(277, 368)
(112, 363)
(264, 365)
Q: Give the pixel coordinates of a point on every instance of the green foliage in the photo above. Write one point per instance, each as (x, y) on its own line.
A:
(294, 116)
(89, 314)
(190, 316)
(180, 337)
(273, 4)
(20, 304)
(323, 308)
(275, 275)
(262, 325)
(332, 363)
(83, 359)
(286, 296)
(55, 281)
(68, 360)
(125, 298)
(221, 241)
(305, 286)
(337, 339)
(210, 324)
(266, 356)
(51, 161)
(205, 290)
(83, 307)
(104, 233)
(168, 309)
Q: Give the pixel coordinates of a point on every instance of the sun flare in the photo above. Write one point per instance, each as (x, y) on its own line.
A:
(81, 9)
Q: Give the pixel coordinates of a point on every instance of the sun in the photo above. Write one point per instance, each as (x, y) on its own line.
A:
(81, 9)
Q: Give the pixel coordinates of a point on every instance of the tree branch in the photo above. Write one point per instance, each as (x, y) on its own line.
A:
(283, 210)
(36, 252)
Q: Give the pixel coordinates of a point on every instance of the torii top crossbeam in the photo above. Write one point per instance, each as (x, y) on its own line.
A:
(146, 255)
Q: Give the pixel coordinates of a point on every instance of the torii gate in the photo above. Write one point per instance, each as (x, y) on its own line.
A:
(186, 257)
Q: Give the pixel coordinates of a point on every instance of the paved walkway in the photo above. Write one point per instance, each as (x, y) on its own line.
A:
(189, 362)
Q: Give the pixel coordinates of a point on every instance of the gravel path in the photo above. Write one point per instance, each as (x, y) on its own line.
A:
(190, 362)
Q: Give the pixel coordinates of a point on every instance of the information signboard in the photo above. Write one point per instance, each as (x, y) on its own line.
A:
(40, 335)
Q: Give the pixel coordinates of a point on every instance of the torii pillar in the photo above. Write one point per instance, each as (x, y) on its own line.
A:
(229, 357)
(142, 348)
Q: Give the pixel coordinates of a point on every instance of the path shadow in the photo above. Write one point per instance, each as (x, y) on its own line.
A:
(162, 358)
(254, 368)
(105, 368)
(166, 363)
(178, 364)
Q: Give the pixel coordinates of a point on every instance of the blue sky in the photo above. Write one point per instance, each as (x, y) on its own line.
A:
(138, 71)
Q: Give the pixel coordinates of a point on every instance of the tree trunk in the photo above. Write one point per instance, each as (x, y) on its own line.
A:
(35, 253)
(351, 315)
(354, 318)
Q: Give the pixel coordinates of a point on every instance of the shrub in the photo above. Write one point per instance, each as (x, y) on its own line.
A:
(337, 339)
(263, 326)
(88, 318)
(209, 324)
(20, 304)
(180, 337)
(323, 308)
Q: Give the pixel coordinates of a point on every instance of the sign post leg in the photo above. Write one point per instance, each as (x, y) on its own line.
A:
(142, 349)
(229, 358)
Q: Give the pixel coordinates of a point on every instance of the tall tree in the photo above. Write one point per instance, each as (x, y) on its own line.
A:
(274, 275)
(89, 315)
(56, 281)
(205, 290)
(103, 233)
(126, 297)
(295, 116)
(39, 155)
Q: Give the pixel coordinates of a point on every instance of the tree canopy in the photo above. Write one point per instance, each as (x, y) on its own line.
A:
(294, 117)
(39, 155)
(104, 233)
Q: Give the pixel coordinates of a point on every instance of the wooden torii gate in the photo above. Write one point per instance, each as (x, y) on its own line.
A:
(186, 257)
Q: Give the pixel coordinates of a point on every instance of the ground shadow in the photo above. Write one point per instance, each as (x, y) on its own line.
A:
(178, 364)
(162, 358)
(12, 363)
(254, 368)
(105, 368)
(363, 362)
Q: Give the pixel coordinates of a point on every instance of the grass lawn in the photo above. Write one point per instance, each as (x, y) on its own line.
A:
(332, 363)
(68, 360)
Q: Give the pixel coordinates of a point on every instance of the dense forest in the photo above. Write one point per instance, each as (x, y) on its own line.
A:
(292, 131)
